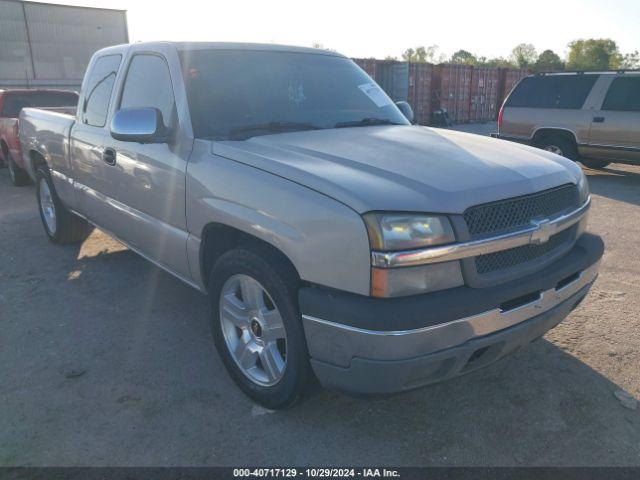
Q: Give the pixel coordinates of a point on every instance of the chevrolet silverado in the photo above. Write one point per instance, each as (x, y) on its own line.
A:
(336, 241)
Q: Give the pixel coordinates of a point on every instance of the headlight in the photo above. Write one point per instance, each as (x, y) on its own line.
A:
(405, 231)
(583, 188)
(398, 231)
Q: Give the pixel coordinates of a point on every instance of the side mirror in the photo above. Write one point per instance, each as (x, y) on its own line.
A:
(407, 111)
(142, 125)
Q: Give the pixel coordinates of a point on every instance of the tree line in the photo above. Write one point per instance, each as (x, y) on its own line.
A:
(584, 54)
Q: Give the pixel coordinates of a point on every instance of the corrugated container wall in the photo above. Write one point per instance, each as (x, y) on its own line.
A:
(51, 45)
(368, 65)
(452, 89)
(403, 81)
(393, 77)
(485, 84)
(510, 78)
(420, 91)
(468, 93)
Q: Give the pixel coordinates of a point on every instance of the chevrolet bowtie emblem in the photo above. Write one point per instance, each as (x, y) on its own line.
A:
(544, 230)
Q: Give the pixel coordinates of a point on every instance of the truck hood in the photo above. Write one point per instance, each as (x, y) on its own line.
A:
(403, 168)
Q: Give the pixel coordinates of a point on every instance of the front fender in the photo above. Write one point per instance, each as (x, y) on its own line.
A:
(325, 240)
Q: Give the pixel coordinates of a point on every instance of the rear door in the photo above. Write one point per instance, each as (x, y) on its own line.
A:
(147, 181)
(549, 101)
(87, 138)
(615, 127)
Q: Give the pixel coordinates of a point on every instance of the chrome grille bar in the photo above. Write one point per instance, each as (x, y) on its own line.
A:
(537, 233)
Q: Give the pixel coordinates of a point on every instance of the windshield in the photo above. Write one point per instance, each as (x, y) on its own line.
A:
(237, 94)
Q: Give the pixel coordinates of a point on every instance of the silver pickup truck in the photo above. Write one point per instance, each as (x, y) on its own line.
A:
(336, 240)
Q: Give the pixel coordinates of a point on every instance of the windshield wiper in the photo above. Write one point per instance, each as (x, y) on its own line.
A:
(366, 122)
(247, 131)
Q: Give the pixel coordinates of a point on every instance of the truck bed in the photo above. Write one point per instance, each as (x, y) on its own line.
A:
(47, 132)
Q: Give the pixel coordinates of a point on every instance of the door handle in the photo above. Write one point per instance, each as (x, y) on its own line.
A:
(598, 119)
(109, 156)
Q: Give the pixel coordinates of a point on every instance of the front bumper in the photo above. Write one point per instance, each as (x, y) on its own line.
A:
(426, 339)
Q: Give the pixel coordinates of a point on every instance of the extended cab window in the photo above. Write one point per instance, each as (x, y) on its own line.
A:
(14, 102)
(98, 90)
(552, 91)
(148, 84)
(623, 95)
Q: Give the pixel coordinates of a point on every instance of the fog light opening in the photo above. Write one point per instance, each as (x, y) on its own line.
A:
(477, 354)
(565, 282)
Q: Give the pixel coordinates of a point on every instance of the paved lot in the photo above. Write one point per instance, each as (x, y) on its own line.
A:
(106, 360)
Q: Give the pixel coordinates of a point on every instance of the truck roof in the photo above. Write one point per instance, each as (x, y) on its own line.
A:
(221, 46)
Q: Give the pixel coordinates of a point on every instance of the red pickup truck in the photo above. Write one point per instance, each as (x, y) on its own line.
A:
(11, 102)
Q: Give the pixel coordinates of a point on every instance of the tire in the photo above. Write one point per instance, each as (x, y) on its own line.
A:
(60, 225)
(290, 374)
(18, 176)
(560, 146)
(593, 163)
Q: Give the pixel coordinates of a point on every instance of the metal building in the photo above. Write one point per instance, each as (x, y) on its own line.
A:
(48, 45)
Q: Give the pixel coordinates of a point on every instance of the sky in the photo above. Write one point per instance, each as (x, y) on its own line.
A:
(357, 28)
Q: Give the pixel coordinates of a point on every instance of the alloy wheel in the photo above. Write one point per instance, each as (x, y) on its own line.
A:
(253, 330)
(47, 206)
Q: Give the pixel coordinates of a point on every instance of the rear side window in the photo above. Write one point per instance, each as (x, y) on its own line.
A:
(98, 90)
(148, 84)
(14, 102)
(552, 91)
(623, 95)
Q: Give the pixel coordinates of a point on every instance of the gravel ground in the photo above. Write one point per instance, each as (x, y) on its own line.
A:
(106, 360)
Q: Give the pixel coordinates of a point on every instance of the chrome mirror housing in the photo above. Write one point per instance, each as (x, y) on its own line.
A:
(142, 125)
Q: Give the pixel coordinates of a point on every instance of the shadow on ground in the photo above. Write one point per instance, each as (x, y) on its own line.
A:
(617, 182)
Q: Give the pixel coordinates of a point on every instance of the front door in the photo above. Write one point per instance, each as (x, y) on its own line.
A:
(615, 128)
(147, 181)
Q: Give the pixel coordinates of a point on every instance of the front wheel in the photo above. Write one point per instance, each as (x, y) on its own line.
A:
(60, 225)
(257, 328)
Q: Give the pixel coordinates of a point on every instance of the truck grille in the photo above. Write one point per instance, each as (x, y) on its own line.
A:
(506, 259)
(518, 212)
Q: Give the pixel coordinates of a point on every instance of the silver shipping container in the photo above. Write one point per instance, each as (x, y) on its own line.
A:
(48, 45)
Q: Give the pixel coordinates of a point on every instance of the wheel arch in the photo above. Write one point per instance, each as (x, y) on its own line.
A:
(218, 238)
(5, 152)
(4, 148)
(547, 132)
(35, 160)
